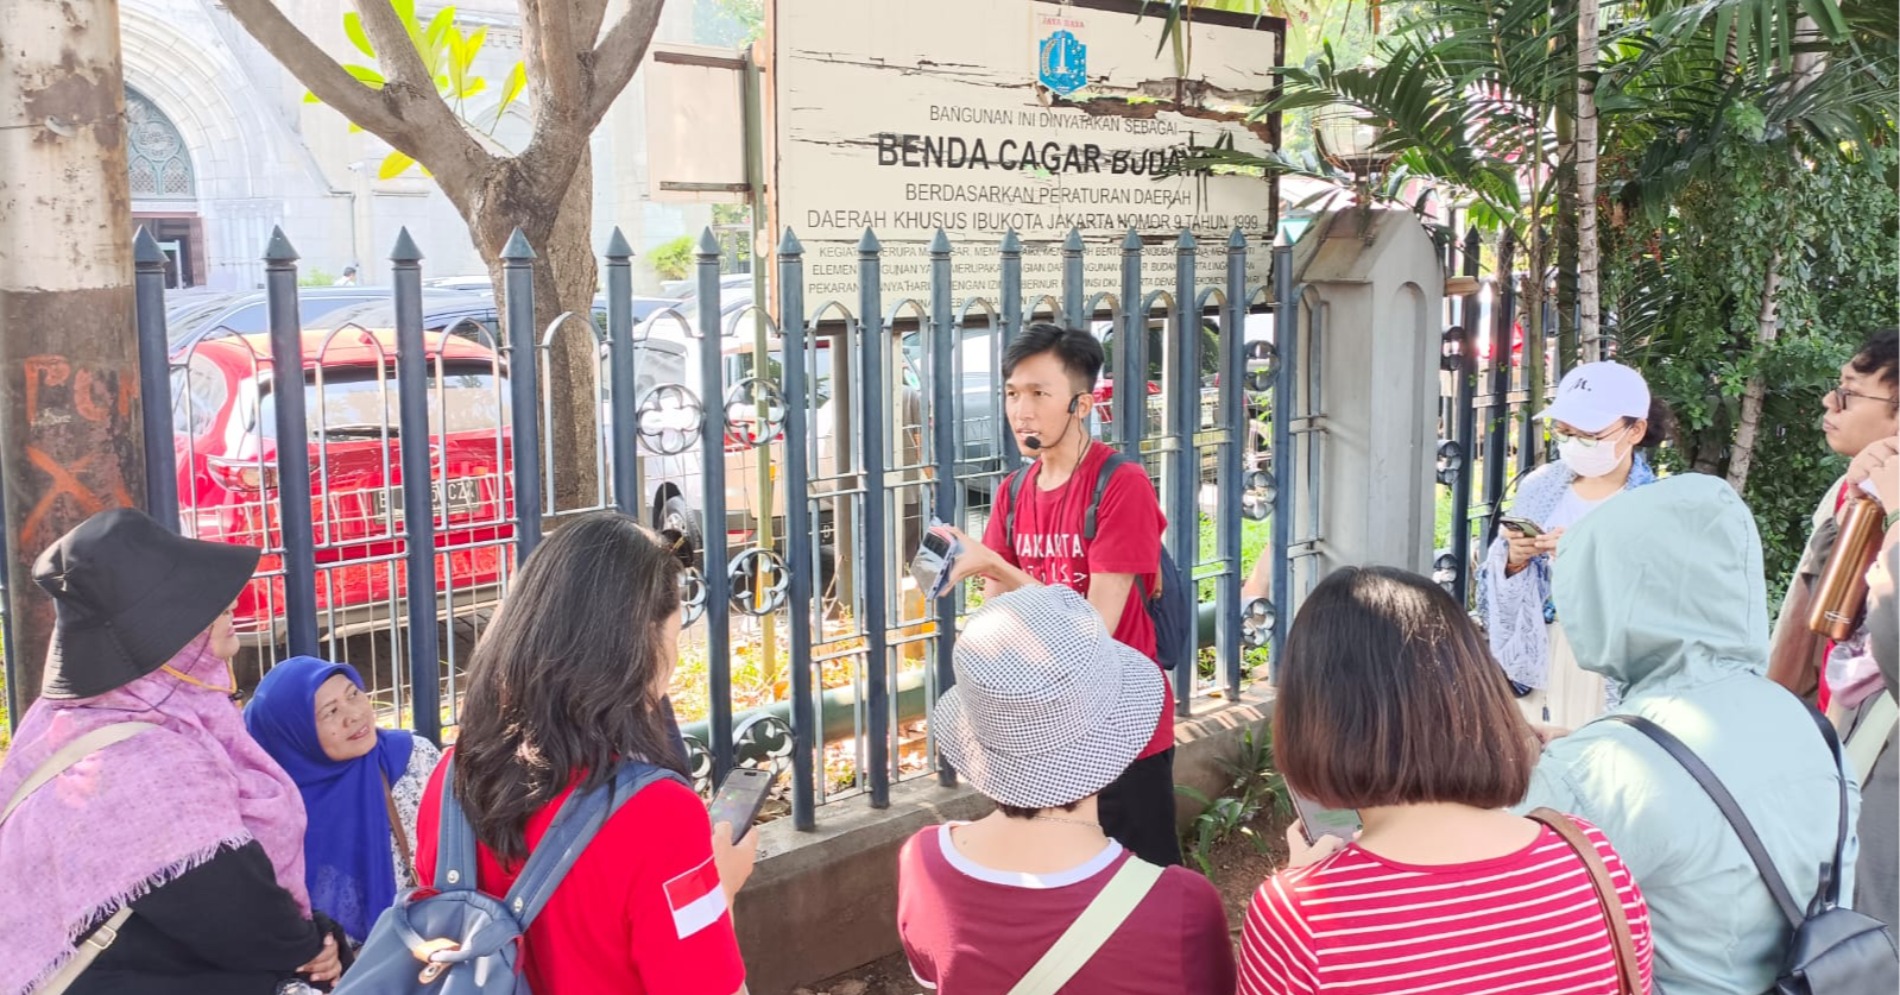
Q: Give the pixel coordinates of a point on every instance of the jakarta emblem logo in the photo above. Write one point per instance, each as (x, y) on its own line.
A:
(1063, 63)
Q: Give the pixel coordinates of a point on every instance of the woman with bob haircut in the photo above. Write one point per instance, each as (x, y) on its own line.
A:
(567, 682)
(1389, 704)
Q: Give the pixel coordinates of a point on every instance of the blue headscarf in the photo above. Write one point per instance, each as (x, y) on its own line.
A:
(347, 849)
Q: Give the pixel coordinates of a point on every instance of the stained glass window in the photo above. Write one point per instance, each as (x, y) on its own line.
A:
(155, 151)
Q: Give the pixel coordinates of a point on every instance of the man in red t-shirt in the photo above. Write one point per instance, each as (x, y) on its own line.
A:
(1049, 375)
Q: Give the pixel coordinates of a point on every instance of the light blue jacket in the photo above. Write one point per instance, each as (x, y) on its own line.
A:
(1662, 591)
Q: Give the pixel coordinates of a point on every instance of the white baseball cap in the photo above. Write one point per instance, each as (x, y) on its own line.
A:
(1594, 396)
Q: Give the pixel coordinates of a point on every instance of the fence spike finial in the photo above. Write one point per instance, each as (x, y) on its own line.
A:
(940, 244)
(1132, 241)
(405, 250)
(617, 245)
(1186, 241)
(869, 242)
(145, 248)
(1237, 239)
(279, 250)
(709, 244)
(789, 245)
(517, 250)
(1012, 242)
(1073, 242)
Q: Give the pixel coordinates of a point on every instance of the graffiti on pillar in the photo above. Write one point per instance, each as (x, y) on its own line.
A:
(89, 406)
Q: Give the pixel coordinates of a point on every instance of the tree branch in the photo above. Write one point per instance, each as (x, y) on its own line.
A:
(618, 56)
(548, 28)
(395, 50)
(323, 75)
(589, 15)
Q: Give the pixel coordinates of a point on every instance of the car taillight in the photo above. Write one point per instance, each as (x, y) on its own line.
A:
(242, 475)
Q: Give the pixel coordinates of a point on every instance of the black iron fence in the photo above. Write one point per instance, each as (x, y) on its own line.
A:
(803, 451)
(1488, 434)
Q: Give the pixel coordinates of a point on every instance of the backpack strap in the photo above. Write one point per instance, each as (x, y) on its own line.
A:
(455, 865)
(1013, 484)
(1731, 811)
(580, 817)
(1090, 931)
(1115, 461)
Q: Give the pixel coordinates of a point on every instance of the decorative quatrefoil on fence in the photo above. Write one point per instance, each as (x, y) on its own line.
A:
(699, 765)
(1261, 378)
(744, 423)
(669, 419)
(760, 582)
(765, 741)
(692, 595)
(1256, 622)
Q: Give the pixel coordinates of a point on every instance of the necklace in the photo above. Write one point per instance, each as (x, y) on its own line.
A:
(1092, 824)
(188, 679)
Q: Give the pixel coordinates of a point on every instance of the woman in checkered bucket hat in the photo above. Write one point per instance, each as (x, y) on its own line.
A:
(1048, 708)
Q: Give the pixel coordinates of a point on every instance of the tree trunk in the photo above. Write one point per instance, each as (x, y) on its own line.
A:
(1807, 66)
(1742, 457)
(69, 355)
(1589, 263)
(1567, 194)
(565, 279)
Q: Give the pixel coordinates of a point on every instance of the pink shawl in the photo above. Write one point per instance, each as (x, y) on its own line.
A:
(135, 815)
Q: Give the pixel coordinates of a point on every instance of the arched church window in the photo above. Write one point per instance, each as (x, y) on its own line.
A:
(159, 163)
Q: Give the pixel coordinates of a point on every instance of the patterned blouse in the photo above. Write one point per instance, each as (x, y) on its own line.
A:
(407, 791)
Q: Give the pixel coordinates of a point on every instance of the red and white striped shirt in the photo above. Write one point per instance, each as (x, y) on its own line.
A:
(1527, 923)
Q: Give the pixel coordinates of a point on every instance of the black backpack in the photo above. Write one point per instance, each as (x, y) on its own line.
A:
(1168, 605)
(1835, 950)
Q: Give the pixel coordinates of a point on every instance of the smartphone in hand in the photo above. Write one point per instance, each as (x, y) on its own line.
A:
(1522, 526)
(739, 799)
(1317, 821)
(931, 567)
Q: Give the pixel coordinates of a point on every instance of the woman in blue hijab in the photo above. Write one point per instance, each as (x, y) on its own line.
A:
(314, 718)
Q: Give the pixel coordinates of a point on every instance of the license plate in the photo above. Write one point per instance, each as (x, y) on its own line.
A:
(453, 498)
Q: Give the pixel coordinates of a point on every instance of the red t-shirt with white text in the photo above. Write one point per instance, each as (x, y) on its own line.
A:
(641, 911)
(1049, 547)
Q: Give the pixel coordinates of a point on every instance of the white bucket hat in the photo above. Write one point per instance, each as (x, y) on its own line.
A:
(1048, 707)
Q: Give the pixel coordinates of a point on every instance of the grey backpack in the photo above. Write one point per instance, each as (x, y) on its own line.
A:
(455, 940)
(1834, 950)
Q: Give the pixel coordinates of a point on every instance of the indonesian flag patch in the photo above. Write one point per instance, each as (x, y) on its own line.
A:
(696, 898)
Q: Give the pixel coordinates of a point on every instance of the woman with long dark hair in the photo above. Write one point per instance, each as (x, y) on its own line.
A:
(567, 682)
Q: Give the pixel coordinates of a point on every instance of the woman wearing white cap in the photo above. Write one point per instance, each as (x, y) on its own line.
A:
(1035, 899)
(1605, 420)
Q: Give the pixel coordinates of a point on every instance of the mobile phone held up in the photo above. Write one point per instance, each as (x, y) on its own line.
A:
(931, 567)
(1316, 821)
(739, 799)
(1522, 526)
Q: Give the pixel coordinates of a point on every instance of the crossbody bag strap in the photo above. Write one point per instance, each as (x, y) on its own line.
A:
(88, 951)
(455, 849)
(1628, 972)
(1013, 486)
(1724, 801)
(66, 756)
(395, 827)
(1830, 892)
(1090, 930)
(1871, 733)
(62, 760)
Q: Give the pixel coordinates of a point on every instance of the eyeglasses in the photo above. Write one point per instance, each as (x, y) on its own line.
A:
(1590, 441)
(1841, 394)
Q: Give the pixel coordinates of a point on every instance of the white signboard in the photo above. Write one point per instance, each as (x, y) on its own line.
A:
(982, 116)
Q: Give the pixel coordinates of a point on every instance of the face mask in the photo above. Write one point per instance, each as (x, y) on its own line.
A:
(1588, 460)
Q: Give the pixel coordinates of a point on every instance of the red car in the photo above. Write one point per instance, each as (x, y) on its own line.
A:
(224, 423)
